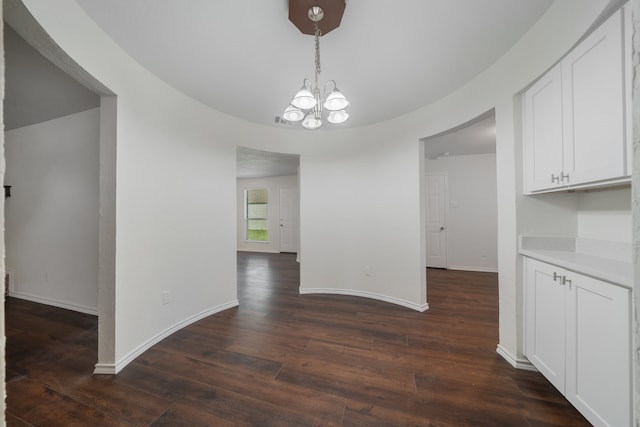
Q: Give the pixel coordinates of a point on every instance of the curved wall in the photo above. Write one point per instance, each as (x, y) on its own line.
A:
(361, 208)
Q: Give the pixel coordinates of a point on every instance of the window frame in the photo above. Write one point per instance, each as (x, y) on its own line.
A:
(246, 215)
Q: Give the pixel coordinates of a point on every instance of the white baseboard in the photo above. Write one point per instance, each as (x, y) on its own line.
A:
(262, 251)
(478, 269)
(518, 363)
(114, 368)
(105, 369)
(55, 303)
(364, 294)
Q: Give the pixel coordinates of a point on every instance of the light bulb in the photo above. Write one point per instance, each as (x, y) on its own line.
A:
(337, 117)
(335, 101)
(293, 114)
(311, 122)
(304, 99)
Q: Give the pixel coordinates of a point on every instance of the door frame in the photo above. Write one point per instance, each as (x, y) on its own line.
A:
(445, 202)
(296, 220)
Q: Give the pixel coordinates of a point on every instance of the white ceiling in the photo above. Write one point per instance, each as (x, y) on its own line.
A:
(245, 58)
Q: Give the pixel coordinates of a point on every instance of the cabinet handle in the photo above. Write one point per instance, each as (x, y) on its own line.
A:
(564, 177)
(566, 281)
(555, 179)
(556, 276)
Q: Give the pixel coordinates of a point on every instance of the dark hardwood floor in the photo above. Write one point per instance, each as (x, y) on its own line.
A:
(283, 359)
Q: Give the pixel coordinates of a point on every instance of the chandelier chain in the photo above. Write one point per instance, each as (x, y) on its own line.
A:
(317, 34)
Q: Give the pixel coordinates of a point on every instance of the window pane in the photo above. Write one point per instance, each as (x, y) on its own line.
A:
(258, 196)
(257, 211)
(257, 224)
(257, 229)
(257, 214)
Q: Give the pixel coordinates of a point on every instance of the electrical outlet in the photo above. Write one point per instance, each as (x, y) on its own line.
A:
(166, 297)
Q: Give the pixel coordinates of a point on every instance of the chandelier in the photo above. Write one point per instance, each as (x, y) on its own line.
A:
(307, 104)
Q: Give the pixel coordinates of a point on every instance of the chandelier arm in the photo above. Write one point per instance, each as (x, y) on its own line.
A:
(326, 85)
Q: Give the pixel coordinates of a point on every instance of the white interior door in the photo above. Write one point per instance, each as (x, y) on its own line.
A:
(436, 220)
(288, 220)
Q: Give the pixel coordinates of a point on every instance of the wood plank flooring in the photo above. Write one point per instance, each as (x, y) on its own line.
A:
(284, 359)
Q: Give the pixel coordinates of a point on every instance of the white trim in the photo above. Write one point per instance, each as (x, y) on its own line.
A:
(109, 368)
(517, 363)
(55, 303)
(365, 294)
(296, 216)
(263, 251)
(478, 269)
(446, 215)
(105, 369)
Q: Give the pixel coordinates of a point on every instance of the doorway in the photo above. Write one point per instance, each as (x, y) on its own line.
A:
(52, 142)
(462, 225)
(276, 175)
(23, 23)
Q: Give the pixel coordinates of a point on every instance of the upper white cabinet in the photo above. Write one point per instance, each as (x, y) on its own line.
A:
(593, 94)
(575, 116)
(543, 132)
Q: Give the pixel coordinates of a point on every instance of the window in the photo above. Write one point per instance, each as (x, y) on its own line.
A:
(256, 215)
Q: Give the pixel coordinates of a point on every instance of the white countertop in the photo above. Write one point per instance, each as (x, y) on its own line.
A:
(608, 261)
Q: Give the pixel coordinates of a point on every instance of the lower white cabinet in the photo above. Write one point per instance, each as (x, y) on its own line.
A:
(578, 335)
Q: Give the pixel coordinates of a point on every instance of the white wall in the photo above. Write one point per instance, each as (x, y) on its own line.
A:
(52, 214)
(605, 215)
(174, 152)
(360, 216)
(175, 196)
(471, 212)
(273, 186)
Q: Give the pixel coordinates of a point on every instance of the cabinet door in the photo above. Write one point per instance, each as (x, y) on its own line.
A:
(543, 132)
(598, 370)
(594, 106)
(545, 321)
